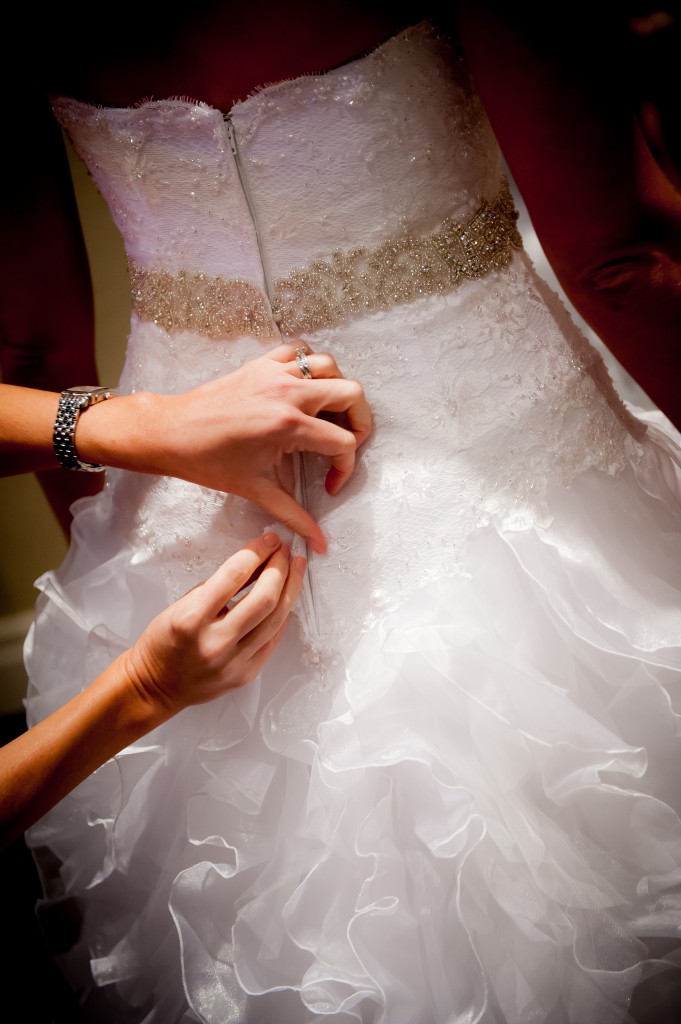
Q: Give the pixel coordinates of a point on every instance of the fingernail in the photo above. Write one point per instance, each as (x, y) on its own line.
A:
(270, 539)
(300, 565)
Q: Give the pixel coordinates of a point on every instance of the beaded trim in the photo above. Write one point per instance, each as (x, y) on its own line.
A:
(401, 269)
(217, 307)
(328, 291)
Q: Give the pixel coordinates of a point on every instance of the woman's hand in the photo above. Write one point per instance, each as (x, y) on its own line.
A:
(197, 649)
(233, 433)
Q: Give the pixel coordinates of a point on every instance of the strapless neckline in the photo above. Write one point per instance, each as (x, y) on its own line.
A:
(332, 194)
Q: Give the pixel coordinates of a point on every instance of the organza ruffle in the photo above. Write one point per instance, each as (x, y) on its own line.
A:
(474, 817)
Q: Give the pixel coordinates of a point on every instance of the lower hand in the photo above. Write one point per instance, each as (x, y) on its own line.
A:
(197, 650)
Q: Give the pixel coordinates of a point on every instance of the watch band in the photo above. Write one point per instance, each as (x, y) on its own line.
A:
(71, 403)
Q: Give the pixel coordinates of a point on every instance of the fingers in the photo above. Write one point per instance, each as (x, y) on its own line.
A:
(262, 598)
(287, 352)
(262, 612)
(328, 391)
(338, 443)
(335, 478)
(340, 397)
(233, 574)
(339, 394)
(347, 397)
(321, 365)
(257, 660)
(262, 640)
(287, 510)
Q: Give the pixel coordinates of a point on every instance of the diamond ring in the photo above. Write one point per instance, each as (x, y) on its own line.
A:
(303, 364)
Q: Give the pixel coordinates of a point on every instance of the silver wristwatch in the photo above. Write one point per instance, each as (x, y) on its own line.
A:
(71, 403)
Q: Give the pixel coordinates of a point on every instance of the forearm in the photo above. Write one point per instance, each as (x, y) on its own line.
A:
(117, 436)
(46, 356)
(40, 767)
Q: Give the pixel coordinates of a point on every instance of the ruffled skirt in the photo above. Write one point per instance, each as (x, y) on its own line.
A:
(452, 799)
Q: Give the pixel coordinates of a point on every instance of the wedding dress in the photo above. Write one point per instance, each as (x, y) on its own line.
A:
(453, 794)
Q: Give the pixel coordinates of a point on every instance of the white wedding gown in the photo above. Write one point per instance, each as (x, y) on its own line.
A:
(453, 794)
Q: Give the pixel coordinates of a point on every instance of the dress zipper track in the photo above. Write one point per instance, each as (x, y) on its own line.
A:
(231, 138)
(298, 545)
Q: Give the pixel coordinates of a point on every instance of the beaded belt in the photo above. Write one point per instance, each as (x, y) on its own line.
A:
(328, 291)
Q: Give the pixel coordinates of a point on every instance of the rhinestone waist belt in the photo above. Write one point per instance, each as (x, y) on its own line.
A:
(342, 286)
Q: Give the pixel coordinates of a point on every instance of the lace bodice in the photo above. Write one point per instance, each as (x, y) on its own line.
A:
(353, 180)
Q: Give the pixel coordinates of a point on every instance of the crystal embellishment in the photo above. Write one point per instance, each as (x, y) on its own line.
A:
(328, 291)
(216, 307)
(399, 270)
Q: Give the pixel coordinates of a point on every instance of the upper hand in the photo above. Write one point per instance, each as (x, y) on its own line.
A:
(233, 433)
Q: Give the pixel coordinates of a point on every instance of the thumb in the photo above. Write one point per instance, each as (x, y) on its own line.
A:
(275, 500)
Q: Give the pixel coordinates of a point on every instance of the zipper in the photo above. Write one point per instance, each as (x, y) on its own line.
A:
(231, 138)
(298, 545)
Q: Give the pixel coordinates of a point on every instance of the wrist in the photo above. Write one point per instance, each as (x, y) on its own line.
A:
(73, 402)
(121, 433)
(146, 707)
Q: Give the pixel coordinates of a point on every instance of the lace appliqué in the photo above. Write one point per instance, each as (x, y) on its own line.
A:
(215, 307)
(399, 270)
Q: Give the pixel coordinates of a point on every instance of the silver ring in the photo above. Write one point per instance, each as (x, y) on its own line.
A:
(303, 365)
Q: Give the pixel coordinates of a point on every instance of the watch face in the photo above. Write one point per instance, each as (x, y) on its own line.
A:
(85, 389)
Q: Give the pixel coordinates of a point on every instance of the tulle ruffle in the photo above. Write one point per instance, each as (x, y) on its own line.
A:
(474, 817)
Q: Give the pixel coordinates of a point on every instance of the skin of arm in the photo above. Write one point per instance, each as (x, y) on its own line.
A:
(608, 218)
(231, 434)
(193, 652)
